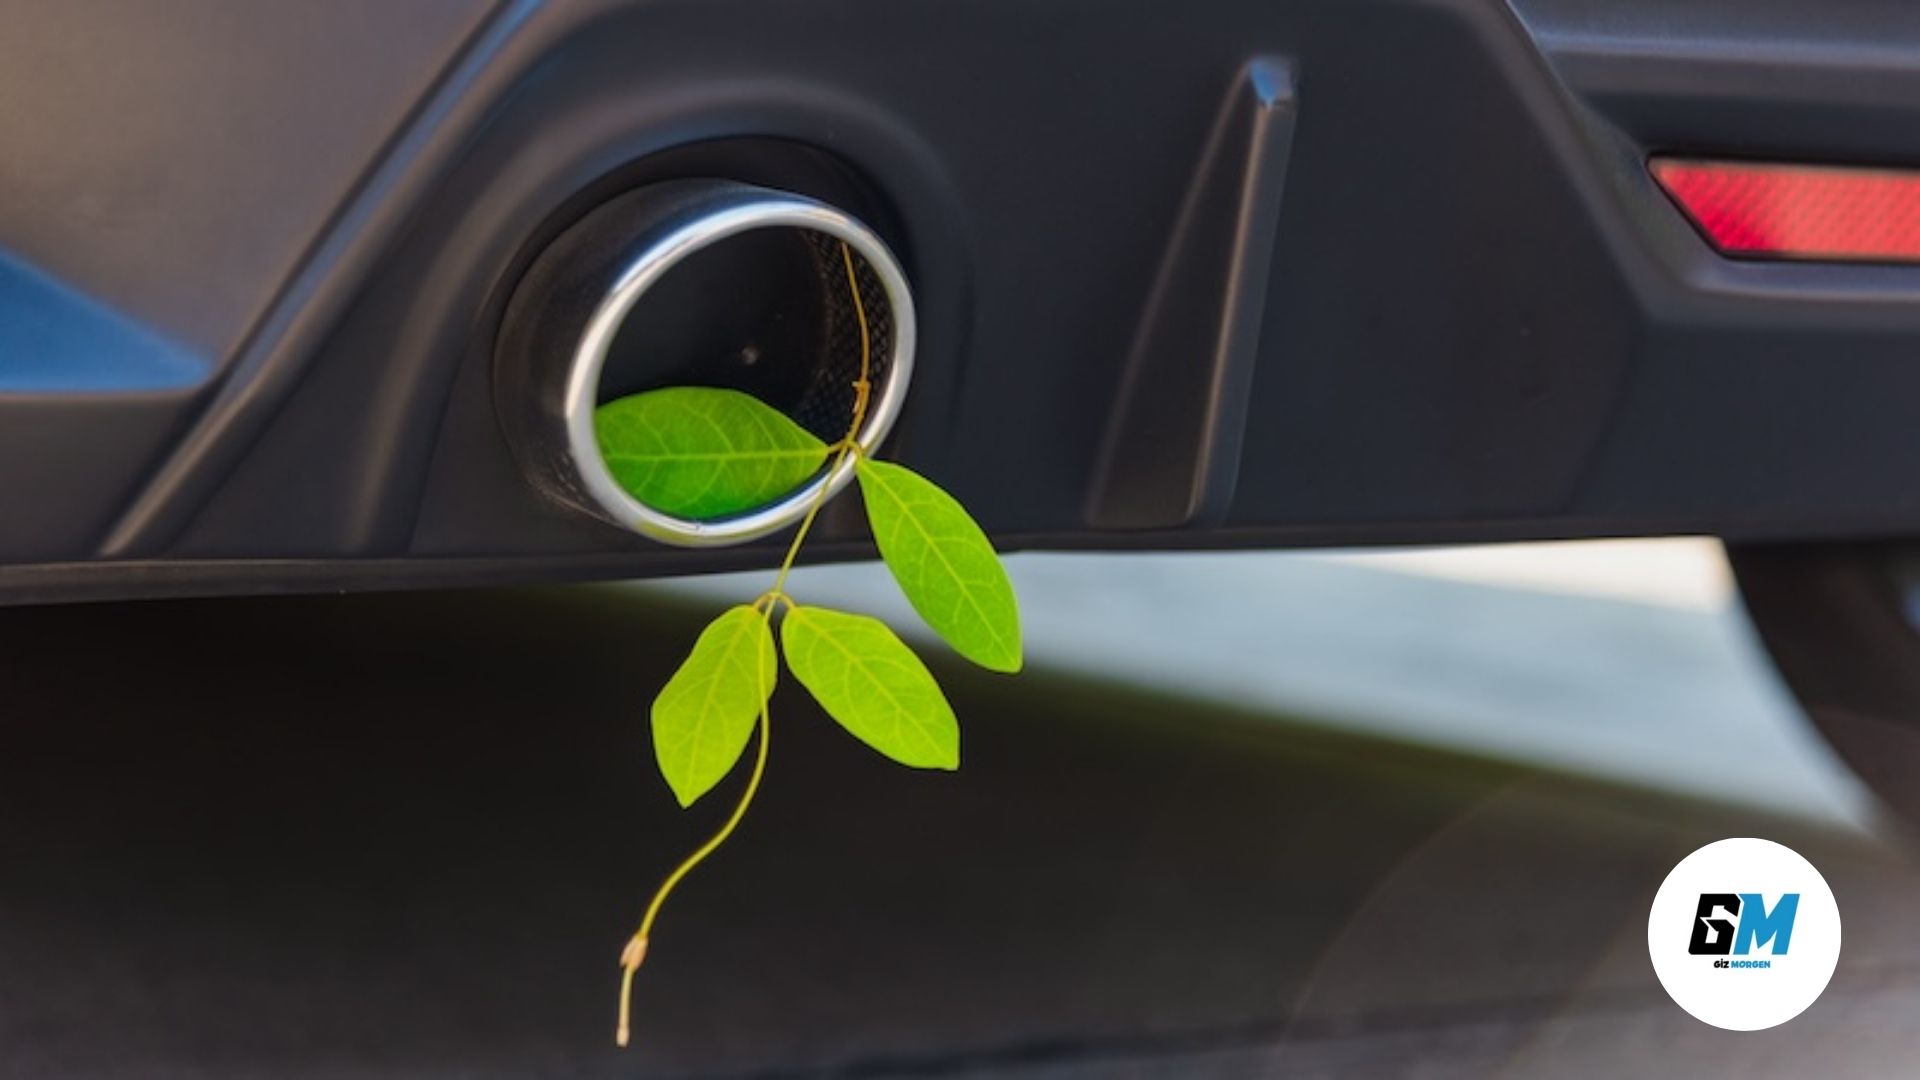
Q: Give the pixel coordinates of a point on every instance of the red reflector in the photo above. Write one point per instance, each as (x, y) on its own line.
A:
(1798, 211)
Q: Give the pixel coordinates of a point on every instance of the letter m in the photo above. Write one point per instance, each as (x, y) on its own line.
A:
(1759, 926)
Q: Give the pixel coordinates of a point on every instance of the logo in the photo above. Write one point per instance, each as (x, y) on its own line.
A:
(1757, 926)
(1744, 934)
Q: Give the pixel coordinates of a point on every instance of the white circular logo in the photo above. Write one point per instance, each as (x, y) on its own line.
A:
(1744, 934)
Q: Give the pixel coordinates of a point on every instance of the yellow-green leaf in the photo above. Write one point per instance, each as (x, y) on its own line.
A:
(873, 685)
(944, 564)
(703, 716)
(699, 452)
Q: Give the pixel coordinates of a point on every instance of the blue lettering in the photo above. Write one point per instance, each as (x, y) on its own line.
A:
(1758, 926)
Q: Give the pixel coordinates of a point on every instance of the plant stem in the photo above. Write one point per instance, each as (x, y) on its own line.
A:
(636, 951)
(849, 445)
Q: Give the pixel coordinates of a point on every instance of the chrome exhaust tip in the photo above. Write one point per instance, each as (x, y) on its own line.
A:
(698, 283)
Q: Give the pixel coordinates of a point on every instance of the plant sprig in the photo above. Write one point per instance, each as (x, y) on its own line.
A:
(705, 453)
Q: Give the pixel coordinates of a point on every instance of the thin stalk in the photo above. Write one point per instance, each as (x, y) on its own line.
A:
(635, 952)
(849, 444)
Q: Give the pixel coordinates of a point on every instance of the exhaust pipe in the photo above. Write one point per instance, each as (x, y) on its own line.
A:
(698, 283)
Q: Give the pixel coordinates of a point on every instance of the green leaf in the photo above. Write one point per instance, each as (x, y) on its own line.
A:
(703, 716)
(701, 453)
(869, 681)
(944, 564)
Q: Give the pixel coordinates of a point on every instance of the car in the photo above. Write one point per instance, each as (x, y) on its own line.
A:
(318, 298)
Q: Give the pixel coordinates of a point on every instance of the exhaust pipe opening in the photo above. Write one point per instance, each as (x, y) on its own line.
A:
(698, 283)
